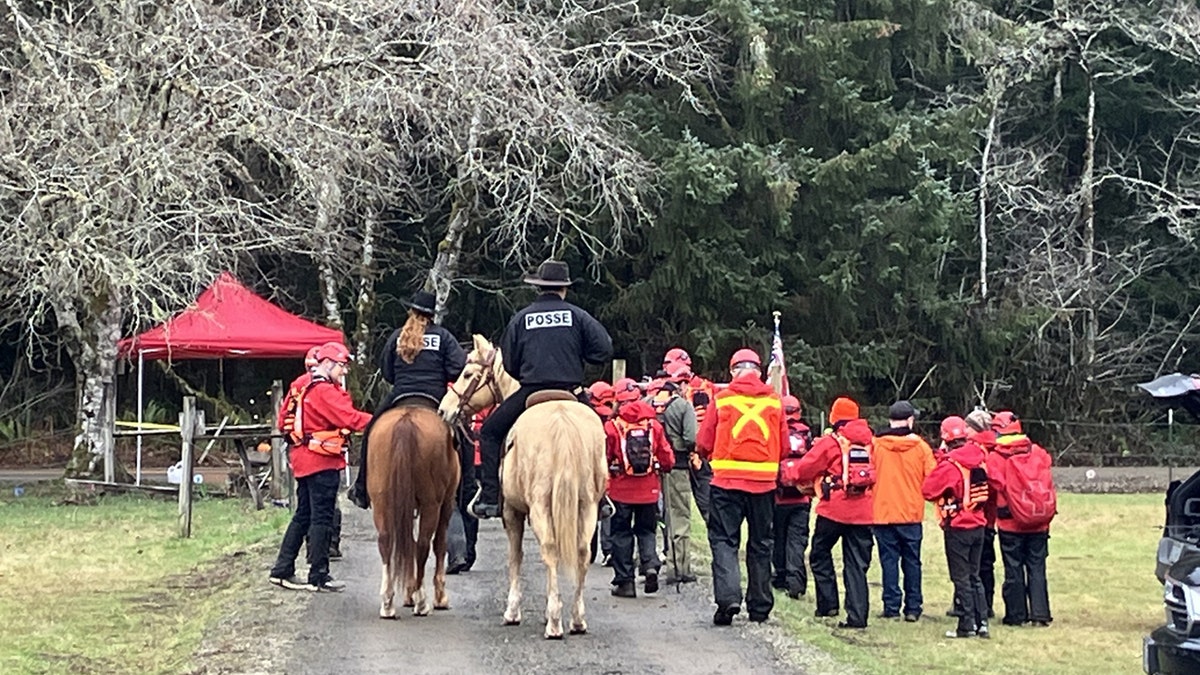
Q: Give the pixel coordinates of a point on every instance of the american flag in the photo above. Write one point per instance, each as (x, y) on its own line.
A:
(776, 370)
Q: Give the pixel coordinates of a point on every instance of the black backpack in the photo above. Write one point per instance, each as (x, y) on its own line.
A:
(637, 447)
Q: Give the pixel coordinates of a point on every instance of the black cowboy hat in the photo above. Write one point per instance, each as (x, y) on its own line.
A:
(423, 301)
(550, 274)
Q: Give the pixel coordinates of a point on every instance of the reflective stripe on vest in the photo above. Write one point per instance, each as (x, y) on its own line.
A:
(751, 409)
(770, 468)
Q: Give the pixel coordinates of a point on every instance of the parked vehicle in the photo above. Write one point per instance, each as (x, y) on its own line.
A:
(1174, 648)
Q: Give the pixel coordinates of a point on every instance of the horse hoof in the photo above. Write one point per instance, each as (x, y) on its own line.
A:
(409, 603)
(442, 608)
(582, 630)
(512, 622)
(421, 611)
(388, 617)
(554, 637)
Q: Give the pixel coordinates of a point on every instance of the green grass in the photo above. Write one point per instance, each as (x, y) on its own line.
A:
(110, 588)
(1103, 595)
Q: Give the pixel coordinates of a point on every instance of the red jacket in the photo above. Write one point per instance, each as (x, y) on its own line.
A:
(947, 480)
(825, 459)
(997, 466)
(637, 489)
(747, 460)
(327, 407)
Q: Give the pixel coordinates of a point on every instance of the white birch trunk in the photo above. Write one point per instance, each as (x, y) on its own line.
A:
(365, 303)
(985, 165)
(1087, 187)
(95, 363)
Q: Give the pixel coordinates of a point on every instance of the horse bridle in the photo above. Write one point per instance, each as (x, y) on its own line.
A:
(486, 378)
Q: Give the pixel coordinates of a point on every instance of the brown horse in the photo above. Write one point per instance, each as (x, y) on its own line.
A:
(413, 472)
(554, 475)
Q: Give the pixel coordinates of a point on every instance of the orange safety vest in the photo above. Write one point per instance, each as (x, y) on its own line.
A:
(330, 442)
(747, 443)
(975, 495)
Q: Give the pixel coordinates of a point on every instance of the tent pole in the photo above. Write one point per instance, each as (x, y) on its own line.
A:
(141, 370)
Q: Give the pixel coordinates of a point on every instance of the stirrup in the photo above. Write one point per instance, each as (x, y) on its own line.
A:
(607, 508)
(480, 510)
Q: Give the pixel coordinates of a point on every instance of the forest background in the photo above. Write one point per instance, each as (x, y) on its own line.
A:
(955, 202)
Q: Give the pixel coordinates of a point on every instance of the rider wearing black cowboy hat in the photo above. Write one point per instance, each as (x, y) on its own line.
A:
(418, 360)
(544, 347)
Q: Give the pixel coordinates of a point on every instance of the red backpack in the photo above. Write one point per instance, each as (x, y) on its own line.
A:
(1029, 488)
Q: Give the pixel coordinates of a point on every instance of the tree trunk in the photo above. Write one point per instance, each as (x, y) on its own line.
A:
(364, 306)
(985, 164)
(445, 267)
(95, 356)
(328, 200)
(1087, 189)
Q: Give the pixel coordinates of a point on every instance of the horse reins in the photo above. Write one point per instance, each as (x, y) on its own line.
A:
(487, 377)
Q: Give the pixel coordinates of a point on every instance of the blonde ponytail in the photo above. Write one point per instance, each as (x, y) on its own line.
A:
(412, 336)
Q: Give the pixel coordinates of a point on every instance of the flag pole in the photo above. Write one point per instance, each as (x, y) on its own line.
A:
(775, 376)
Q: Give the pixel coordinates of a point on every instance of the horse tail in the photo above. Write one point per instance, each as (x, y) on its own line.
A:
(566, 446)
(403, 445)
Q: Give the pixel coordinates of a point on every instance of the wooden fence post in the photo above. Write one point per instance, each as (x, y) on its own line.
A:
(618, 367)
(187, 432)
(279, 465)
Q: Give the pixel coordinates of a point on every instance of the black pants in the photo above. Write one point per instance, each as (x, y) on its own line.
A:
(630, 522)
(987, 567)
(464, 528)
(316, 497)
(728, 510)
(856, 558)
(701, 487)
(964, 548)
(1026, 596)
(790, 531)
(335, 538)
(495, 428)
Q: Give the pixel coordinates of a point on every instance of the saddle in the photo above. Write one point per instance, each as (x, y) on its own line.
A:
(415, 399)
(547, 395)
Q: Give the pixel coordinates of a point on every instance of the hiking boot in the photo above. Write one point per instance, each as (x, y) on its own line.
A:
(330, 585)
(292, 583)
(1041, 624)
(482, 509)
(779, 583)
(850, 626)
(759, 618)
(625, 589)
(889, 615)
(335, 553)
(651, 585)
(983, 631)
(828, 614)
(606, 561)
(457, 566)
(960, 633)
(795, 594)
(953, 612)
(912, 618)
(607, 509)
(358, 496)
(680, 579)
(724, 615)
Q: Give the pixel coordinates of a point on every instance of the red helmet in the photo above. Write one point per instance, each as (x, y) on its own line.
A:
(1005, 422)
(954, 429)
(791, 407)
(744, 356)
(676, 355)
(310, 359)
(601, 392)
(334, 351)
(626, 390)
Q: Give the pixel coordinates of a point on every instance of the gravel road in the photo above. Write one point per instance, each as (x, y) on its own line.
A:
(665, 633)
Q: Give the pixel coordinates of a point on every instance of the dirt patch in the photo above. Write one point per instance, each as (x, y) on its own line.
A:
(258, 622)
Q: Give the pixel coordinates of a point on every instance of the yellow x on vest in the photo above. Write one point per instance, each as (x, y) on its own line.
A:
(751, 408)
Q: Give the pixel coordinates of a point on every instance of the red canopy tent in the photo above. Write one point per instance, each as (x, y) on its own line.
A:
(229, 320)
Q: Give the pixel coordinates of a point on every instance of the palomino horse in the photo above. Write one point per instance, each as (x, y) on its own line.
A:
(554, 474)
(413, 470)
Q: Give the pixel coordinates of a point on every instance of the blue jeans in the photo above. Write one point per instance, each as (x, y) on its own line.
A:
(900, 549)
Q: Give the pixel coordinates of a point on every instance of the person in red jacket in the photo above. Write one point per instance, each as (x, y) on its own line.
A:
(745, 436)
(600, 397)
(979, 423)
(324, 417)
(1023, 550)
(677, 363)
(845, 514)
(638, 454)
(790, 525)
(959, 485)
